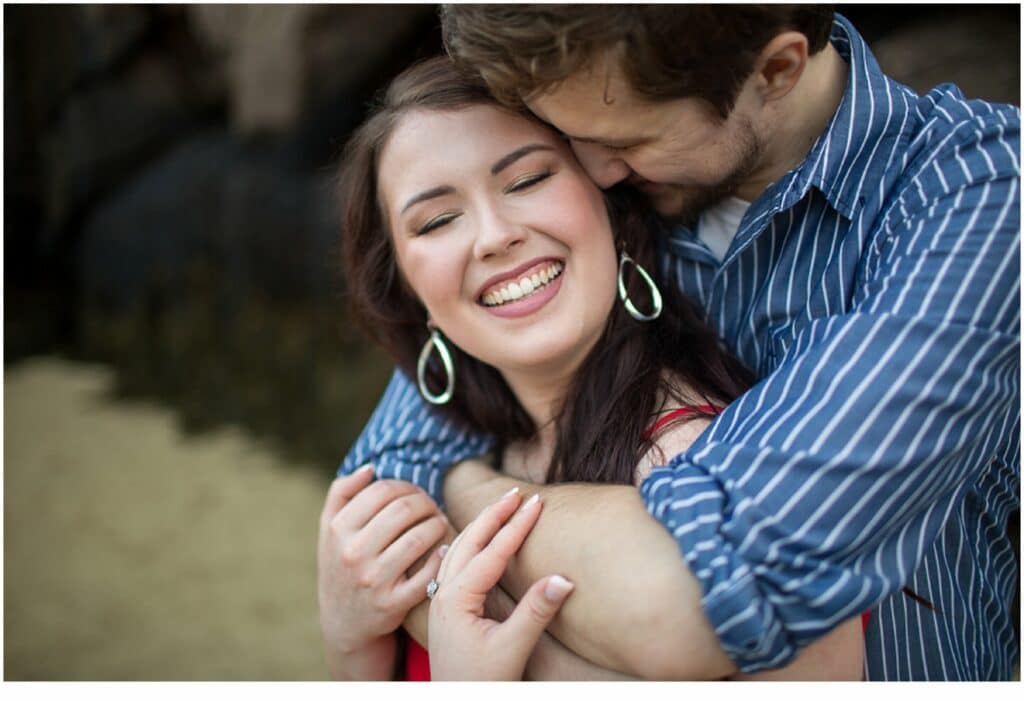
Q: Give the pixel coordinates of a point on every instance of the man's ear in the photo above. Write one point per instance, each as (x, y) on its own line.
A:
(780, 65)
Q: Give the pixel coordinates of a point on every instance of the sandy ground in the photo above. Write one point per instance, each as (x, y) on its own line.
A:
(132, 551)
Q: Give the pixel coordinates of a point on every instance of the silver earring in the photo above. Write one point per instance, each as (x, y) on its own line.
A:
(655, 292)
(435, 342)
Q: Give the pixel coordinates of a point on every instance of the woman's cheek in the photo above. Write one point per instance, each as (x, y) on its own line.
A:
(439, 281)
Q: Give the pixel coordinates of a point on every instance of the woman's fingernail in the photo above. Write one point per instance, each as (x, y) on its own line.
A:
(364, 468)
(509, 493)
(530, 502)
(557, 588)
(442, 550)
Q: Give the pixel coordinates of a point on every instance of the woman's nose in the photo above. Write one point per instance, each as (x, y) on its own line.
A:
(604, 168)
(497, 235)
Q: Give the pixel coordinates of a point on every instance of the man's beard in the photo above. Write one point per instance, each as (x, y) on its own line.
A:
(684, 205)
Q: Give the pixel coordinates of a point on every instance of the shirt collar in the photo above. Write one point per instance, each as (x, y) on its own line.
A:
(841, 163)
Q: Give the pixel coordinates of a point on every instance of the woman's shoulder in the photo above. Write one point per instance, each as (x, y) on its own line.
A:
(681, 418)
(675, 438)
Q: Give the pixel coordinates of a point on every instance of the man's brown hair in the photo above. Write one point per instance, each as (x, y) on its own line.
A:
(665, 51)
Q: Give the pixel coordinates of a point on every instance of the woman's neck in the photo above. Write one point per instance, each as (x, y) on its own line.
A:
(542, 396)
(528, 460)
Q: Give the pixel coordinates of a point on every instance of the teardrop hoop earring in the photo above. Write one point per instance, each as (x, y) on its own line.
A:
(651, 286)
(435, 342)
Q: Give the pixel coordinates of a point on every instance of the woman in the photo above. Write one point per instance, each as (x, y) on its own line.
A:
(480, 255)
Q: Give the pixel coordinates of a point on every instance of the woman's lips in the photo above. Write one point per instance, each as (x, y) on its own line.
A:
(513, 287)
(528, 304)
(529, 267)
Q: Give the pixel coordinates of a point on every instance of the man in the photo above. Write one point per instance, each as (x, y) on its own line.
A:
(858, 247)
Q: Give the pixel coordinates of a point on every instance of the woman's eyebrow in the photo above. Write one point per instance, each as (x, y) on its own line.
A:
(505, 161)
(502, 163)
(428, 195)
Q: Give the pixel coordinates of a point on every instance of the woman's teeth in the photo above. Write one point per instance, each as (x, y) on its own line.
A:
(524, 287)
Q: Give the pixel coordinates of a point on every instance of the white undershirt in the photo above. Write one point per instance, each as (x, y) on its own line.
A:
(718, 225)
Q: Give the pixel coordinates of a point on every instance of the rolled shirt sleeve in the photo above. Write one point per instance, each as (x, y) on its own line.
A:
(405, 440)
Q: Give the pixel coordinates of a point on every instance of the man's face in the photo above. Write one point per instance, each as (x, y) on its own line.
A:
(679, 152)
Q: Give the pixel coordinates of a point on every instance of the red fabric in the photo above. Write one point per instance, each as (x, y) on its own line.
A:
(670, 416)
(417, 663)
(864, 618)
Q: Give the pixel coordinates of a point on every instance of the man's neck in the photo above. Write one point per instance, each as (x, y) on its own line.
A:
(800, 118)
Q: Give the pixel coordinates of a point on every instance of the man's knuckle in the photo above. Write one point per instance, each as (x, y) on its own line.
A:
(403, 507)
(350, 554)
(367, 578)
(396, 486)
(436, 528)
(421, 498)
(416, 542)
(381, 606)
(391, 490)
(336, 530)
(375, 490)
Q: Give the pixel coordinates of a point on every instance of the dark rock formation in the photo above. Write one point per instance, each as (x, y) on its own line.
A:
(167, 184)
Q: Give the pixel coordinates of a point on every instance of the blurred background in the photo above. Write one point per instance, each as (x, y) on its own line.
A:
(180, 378)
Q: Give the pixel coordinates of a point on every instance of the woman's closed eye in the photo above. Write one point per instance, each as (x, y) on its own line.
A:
(437, 222)
(518, 185)
(527, 181)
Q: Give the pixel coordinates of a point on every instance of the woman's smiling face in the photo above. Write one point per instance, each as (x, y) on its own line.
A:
(501, 235)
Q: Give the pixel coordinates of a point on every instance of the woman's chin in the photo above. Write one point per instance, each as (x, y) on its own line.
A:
(542, 355)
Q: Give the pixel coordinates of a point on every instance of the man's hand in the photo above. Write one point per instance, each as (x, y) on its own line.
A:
(370, 536)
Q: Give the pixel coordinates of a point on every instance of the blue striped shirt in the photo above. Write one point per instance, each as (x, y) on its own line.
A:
(875, 290)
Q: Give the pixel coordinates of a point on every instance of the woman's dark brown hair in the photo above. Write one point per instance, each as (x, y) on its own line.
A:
(614, 396)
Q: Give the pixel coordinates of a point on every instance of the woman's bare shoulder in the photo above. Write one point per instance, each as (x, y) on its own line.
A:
(676, 438)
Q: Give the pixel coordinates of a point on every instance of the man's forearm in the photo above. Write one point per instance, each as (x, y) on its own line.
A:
(636, 608)
(550, 660)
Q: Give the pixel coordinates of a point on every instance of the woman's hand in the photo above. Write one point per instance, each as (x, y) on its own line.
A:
(464, 644)
(370, 536)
